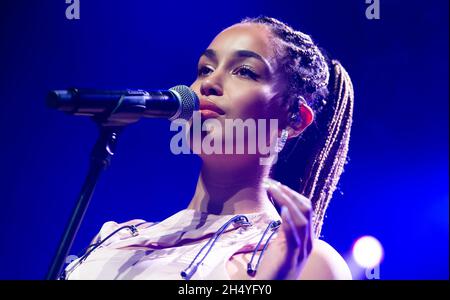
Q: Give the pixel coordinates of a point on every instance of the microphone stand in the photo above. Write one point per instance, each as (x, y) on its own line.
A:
(102, 152)
(101, 156)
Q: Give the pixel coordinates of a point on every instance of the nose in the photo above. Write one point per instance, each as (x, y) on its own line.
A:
(211, 86)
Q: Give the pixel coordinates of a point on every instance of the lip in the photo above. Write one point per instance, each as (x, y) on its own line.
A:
(207, 105)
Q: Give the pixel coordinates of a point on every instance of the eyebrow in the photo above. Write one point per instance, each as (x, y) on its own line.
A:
(211, 54)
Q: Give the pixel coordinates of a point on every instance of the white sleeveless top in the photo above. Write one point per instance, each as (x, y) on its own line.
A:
(163, 250)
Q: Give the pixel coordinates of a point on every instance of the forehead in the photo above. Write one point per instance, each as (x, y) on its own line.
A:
(253, 37)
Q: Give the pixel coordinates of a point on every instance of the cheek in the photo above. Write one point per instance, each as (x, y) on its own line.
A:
(250, 103)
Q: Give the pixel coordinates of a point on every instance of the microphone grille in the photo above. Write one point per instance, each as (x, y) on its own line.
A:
(188, 102)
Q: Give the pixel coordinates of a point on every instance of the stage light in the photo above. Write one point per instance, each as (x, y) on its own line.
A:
(367, 252)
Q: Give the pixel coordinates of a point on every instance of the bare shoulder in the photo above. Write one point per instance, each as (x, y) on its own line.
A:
(325, 263)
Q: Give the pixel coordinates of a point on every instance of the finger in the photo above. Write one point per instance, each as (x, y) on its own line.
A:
(309, 243)
(302, 202)
(305, 247)
(298, 249)
(284, 200)
(289, 228)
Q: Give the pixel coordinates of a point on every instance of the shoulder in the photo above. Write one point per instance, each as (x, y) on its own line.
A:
(325, 263)
(111, 226)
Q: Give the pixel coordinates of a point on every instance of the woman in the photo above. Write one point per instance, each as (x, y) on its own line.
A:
(257, 69)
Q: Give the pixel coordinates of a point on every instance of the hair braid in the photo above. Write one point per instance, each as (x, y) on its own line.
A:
(314, 167)
(327, 168)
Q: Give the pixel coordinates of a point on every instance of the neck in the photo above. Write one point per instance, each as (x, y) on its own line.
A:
(229, 191)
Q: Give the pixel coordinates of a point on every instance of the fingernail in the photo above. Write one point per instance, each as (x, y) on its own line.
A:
(274, 182)
(284, 211)
(270, 181)
(266, 183)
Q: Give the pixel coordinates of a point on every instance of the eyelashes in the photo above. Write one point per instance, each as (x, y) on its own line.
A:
(248, 71)
(244, 71)
(201, 70)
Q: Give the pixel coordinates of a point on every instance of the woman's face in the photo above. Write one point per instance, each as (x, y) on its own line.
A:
(238, 73)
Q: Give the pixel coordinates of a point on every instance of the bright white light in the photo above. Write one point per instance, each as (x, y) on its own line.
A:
(367, 252)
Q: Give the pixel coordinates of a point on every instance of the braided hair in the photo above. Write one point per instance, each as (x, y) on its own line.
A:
(313, 162)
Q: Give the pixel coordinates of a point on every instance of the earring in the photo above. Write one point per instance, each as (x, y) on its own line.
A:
(282, 140)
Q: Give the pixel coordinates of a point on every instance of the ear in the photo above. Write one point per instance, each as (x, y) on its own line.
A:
(306, 117)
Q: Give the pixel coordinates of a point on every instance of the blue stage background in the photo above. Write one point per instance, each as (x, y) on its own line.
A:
(394, 188)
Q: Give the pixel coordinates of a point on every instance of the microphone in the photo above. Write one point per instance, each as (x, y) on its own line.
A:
(126, 106)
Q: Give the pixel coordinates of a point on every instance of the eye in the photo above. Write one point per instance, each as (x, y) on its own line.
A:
(246, 71)
(203, 70)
